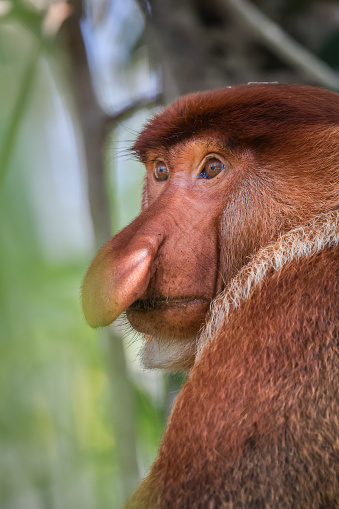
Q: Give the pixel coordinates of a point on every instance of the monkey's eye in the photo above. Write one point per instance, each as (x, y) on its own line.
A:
(211, 169)
(160, 171)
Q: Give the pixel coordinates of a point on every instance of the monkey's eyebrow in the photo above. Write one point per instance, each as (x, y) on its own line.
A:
(213, 143)
(154, 157)
(227, 145)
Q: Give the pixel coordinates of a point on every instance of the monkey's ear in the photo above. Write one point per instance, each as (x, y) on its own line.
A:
(118, 275)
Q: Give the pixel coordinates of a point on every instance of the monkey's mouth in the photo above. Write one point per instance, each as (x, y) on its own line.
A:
(163, 303)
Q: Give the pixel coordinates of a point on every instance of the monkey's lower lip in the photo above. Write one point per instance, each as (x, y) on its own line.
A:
(177, 317)
(162, 303)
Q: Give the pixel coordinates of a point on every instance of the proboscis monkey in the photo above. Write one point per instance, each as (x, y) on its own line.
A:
(231, 271)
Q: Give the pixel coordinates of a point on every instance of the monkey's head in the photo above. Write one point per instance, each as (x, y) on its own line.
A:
(227, 172)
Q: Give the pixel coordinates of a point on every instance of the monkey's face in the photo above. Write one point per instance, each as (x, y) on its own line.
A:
(184, 192)
(164, 267)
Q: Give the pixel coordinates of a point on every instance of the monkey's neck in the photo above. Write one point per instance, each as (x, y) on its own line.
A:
(302, 242)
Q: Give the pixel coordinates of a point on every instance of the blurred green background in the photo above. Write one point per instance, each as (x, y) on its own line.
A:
(57, 440)
(80, 420)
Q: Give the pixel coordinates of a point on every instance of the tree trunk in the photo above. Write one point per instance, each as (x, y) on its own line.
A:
(94, 129)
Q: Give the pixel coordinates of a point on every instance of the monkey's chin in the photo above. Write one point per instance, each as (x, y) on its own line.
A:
(171, 327)
(168, 355)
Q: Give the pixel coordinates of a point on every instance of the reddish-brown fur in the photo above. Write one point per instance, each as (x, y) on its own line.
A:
(256, 116)
(257, 423)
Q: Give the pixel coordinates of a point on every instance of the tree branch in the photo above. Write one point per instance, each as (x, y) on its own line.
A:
(134, 107)
(145, 8)
(93, 124)
(282, 44)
